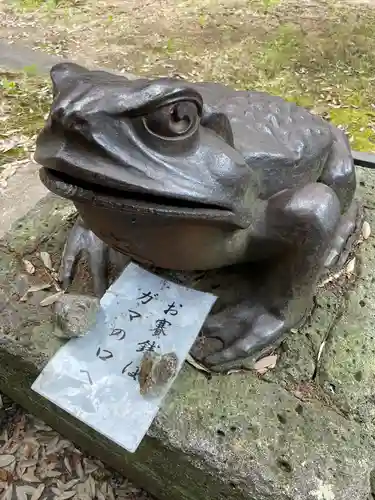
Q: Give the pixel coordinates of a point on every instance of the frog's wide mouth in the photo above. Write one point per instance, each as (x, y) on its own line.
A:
(81, 191)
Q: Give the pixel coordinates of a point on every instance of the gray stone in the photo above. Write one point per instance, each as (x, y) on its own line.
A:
(75, 314)
(303, 431)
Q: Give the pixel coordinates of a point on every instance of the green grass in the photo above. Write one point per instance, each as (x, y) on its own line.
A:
(30, 5)
(330, 69)
(325, 63)
(24, 101)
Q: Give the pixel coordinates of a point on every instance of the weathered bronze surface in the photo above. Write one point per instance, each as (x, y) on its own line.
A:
(199, 176)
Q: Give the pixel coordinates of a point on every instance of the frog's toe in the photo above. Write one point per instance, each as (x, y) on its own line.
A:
(236, 334)
(346, 235)
(81, 239)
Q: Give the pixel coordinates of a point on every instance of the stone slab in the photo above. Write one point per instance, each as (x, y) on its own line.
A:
(304, 431)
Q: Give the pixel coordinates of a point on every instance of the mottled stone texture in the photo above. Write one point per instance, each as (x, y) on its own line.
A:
(303, 431)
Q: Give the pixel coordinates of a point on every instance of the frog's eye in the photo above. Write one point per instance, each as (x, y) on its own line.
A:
(173, 121)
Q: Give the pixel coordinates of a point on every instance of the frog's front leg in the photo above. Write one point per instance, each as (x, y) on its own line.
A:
(304, 223)
(339, 174)
(82, 239)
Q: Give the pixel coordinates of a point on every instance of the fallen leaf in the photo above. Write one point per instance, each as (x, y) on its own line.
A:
(196, 365)
(6, 460)
(89, 466)
(46, 259)
(81, 496)
(16, 141)
(41, 426)
(38, 492)
(366, 230)
(66, 495)
(53, 461)
(110, 493)
(8, 493)
(53, 473)
(60, 485)
(63, 443)
(321, 347)
(28, 463)
(30, 476)
(51, 299)
(79, 470)
(35, 288)
(51, 447)
(236, 370)
(3, 486)
(267, 363)
(56, 279)
(57, 491)
(3, 475)
(4, 437)
(70, 485)
(28, 266)
(24, 491)
(67, 464)
(350, 266)
(84, 489)
(92, 486)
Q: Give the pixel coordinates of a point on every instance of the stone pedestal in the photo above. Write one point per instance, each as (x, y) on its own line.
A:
(303, 431)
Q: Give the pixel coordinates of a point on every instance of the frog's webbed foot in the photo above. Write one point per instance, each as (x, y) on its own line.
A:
(346, 235)
(239, 332)
(81, 239)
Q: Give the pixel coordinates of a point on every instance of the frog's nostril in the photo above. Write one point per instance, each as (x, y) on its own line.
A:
(73, 121)
(79, 121)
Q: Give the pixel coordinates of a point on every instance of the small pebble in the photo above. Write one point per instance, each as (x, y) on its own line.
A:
(75, 314)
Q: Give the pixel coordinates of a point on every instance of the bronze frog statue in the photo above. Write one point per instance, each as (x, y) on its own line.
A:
(200, 176)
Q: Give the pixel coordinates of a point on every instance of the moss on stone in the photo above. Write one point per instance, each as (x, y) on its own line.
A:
(348, 364)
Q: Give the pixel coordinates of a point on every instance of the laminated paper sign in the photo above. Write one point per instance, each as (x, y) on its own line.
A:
(95, 377)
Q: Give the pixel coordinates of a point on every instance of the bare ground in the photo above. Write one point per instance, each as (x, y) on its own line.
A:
(318, 53)
(217, 39)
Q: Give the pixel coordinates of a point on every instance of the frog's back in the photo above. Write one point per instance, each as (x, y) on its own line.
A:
(285, 143)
